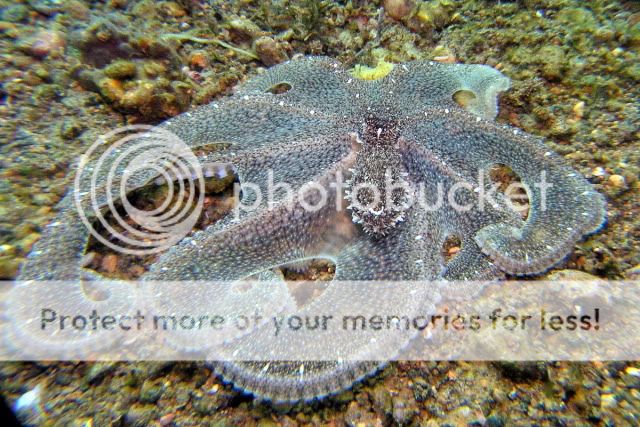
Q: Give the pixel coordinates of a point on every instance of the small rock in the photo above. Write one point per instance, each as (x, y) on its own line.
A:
(207, 404)
(151, 391)
(9, 267)
(167, 419)
(382, 400)
(555, 62)
(64, 378)
(111, 89)
(47, 7)
(7, 250)
(15, 13)
(464, 411)
(398, 9)
(617, 181)
(45, 42)
(172, 9)
(633, 371)
(98, 371)
(198, 60)
(495, 421)
(28, 407)
(633, 273)
(42, 199)
(608, 401)
(70, 129)
(243, 28)
(269, 51)
(27, 242)
(434, 14)
(578, 110)
(109, 263)
(121, 69)
(404, 408)
(357, 416)
(140, 415)
(77, 10)
(421, 390)
(631, 377)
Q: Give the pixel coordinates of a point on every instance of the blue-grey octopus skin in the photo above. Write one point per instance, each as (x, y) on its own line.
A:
(328, 123)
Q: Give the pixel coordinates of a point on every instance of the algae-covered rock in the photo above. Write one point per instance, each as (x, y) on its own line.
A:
(435, 14)
(398, 9)
(121, 69)
(9, 267)
(111, 89)
(554, 61)
(151, 390)
(269, 51)
(577, 19)
(15, 13)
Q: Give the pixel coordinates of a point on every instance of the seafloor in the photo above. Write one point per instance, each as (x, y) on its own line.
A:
(72, 70)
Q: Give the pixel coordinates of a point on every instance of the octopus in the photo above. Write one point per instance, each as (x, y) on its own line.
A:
(424, 128)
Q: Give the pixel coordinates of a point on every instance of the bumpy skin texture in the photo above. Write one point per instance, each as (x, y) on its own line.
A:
(329, 123)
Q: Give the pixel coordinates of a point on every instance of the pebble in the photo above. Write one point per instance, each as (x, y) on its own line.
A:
(47, 7)
(633, 371)
(109, 263)
(578, 110)
(15, 13)
(404, 408)
(398, 9)
(151, 391)
(139, 415)
(617, 181)
(198, 59)
(45, 42)
(9, 267)
(608, 401)
(495, 421)
(28, 407)
(633, 273)
(7, 250)
(167, 419)
(121, 70)
(25, 244)
(98, 371)
(269, 51)
(42, 199)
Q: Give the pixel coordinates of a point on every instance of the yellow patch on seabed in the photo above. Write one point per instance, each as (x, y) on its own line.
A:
(367, 73)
